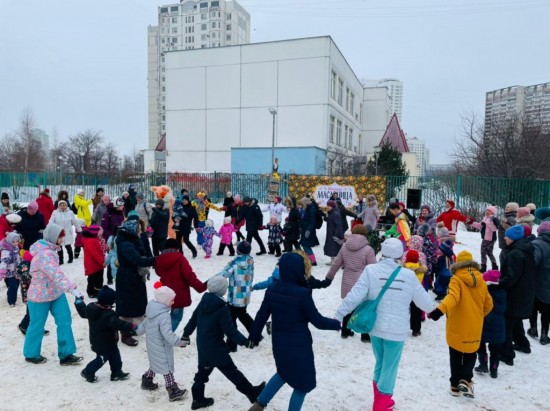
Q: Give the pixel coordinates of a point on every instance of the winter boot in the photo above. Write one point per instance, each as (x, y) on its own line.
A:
(148, 384)
(544, 340)
(365, 338)
(88, 377)
(493, 369)
(532, 331)
(175, 393)
(60, 255)
(251, 392)
(466, 388)
(199, 401)
(375, 389)
(483, 268)
(205, 402)
(120, 376)
(69, 249)
(256, 407)
(494, 267)
(383, 402)
(76, 252)
(127, 339)
(482, 368)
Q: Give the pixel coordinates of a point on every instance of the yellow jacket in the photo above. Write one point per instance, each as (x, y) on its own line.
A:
(466, 305)
(201, 208)
(83, 209)
(419, 270)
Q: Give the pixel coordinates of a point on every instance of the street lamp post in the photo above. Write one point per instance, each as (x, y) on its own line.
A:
(60, 158)
(273, 113)
(82, 156)
(376, 150)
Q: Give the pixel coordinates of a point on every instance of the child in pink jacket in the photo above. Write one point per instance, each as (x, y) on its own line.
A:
(226, 233)
(489, 228)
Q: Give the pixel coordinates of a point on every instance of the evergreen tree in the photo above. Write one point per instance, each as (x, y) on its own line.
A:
(390, 163)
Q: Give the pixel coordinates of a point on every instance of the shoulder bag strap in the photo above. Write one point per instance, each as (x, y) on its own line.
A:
(387, 285)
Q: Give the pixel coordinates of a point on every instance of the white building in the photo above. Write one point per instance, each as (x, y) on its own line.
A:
(505, 103)
(378, 112)
(219, 98)
(418, 147)
(187, 25)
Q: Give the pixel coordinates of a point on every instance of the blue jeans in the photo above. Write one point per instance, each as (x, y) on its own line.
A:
(35, 332)
(273, 386)
(176, 316)
(13, 285)
(388, 355)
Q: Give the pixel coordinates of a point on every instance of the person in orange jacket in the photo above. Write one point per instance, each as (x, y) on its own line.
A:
(466, 305)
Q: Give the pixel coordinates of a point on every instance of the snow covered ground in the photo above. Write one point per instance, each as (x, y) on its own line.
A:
(344, 367)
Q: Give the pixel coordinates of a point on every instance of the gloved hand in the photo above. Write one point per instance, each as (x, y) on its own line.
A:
(79, 300)
(76, 293)
(248, 343)
(469, 221)
(435, 314)
(307, 233)
(184, 342)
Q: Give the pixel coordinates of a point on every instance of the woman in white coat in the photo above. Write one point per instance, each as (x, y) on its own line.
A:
(64, 217)
(392, 323)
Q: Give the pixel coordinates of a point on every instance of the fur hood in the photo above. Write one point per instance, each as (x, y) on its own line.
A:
(464, 264)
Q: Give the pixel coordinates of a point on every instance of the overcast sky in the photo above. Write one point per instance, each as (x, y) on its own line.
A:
(80, 65)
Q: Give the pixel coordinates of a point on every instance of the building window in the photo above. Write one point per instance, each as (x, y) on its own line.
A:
(163, 40)
(204, 16)
(213, 24)
(351, 103)
(360, 143)
(204, 37)
(228, 16)
(228, 27)
(204, 27)
(347, 98)
(174, 8)
(340, 91)
(162, 59)
(164, 9)
(163, 69)
(350, 139)
(163, 79)
(339, 132)
(334, 80)
(332, 129)
(174, 29)
(174, 19)
(360, 116)
(228, 37)
(346, 136)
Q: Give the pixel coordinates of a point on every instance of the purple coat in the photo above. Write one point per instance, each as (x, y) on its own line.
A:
(111, 219)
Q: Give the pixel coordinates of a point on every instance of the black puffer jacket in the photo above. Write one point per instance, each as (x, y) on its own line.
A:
(212, 320)
(104, 326)
(30, 227)
(506, 221)
(517, 262)
(253, 216)
(159, 222)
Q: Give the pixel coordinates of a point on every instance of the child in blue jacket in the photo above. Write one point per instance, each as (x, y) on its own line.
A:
(442, 272)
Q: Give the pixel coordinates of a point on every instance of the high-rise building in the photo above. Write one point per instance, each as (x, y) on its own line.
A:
(418, 147)
(505, 103)
(187, 25)
(395, 94)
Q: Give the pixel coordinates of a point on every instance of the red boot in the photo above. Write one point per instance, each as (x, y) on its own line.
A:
(383, 402)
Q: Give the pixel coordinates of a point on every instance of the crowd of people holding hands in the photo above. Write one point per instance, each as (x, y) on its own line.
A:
(126, 236)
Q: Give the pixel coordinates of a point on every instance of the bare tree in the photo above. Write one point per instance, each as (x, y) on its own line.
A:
(514, 147)
(110, 159)
(84, 151)
(342, 162)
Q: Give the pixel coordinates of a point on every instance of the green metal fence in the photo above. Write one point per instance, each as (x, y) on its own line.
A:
(469, 193)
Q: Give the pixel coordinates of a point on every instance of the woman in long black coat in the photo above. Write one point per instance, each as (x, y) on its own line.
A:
(131, 296)
(308, 236)
(292, 226)
(291, 307)
(517, 262)
(334, 230)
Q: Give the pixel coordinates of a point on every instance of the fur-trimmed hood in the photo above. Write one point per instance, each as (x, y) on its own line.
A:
(469, 272)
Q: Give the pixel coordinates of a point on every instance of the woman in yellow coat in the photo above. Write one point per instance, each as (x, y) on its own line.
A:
(467, 303)
(82, 207)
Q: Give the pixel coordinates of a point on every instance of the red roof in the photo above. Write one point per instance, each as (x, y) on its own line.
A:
(161, 146)
(395, 136)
